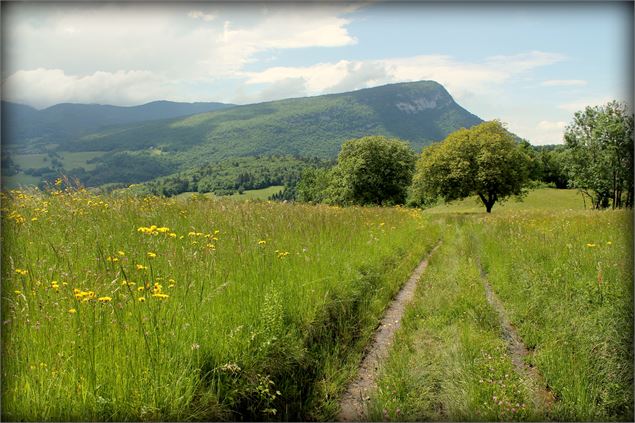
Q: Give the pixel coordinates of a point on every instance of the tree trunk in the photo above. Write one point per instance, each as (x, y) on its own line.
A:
(488, 202)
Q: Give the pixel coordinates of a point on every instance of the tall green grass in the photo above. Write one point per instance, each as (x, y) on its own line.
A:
(567, 282)
(449, 362)
(216, 310)
(565, 279)
(537, 199)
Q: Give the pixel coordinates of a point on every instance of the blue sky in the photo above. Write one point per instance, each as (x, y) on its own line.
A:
(530, 65)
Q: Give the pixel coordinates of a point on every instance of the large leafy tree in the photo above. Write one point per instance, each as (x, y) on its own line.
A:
(600, 154)
(484, 160)
(369, 170)
(373, 170)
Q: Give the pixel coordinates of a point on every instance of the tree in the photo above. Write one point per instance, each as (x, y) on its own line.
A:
(313, 185)
(372, 170)
(600, 154)
(484, 160)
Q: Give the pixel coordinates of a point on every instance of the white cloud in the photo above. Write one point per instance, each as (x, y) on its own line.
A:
(168, 43)
(197, 14)
(45, 87)
(547, 132)
(581, 104)
(564, 83)
(551, 126)
(523, 62)
(462, 79)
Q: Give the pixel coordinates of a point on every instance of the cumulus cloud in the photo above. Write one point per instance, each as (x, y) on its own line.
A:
(197, 14)
(461, 78)
(548, 132)
(45, 87)
(173, 42)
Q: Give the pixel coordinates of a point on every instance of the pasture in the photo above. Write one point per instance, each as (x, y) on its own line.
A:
(118, 308)
(123, 308)
(565, 279)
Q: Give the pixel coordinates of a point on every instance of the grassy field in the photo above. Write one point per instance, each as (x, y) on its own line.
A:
(157, 309)
(124, 308)
(538, 199)
(254, 194)
(565, 279)
(69, 160)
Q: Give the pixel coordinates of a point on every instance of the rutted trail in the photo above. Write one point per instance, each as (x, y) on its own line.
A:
(354, 401)
(543, 397)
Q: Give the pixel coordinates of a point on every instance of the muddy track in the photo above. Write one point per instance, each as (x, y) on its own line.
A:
(354, 401)
(543, 398)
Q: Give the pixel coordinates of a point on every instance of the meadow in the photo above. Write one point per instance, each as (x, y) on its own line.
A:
(565, 279)
(123, 308)
(145, 308)
(250, 194)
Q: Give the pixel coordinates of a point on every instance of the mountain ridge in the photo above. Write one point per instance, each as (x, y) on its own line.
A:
(419, 112)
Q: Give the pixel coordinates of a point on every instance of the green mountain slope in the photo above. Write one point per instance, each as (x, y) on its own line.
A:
(27, 129)
(419, 112)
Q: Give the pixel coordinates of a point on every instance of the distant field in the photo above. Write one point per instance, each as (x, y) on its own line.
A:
(26, 161)
(70, 160)
(254, 194)
(15, 181)
(538, 199)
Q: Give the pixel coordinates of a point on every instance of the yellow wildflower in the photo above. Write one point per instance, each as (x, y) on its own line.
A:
(591, 245)
(262, 242)
(141, 267)
(161, 296)
(104, 299)
(141, 288)
(17, 292)
(72, 311)
(141, 299)
(121, 253)
(21, 272)
(151, 254)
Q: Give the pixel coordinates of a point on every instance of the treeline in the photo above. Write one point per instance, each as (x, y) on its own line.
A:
(486, 161)
(237, 175)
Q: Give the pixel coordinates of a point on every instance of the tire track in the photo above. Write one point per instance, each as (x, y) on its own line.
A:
(543, 398)
(354, 401)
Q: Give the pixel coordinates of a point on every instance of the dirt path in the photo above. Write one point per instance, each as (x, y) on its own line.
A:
(354, 401)
(543, 397)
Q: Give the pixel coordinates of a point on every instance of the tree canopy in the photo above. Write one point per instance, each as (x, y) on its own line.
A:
(600, 154)
(369, 170)
(484, 160)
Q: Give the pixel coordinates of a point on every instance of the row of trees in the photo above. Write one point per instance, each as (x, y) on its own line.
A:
(485, 160)
(600, 154)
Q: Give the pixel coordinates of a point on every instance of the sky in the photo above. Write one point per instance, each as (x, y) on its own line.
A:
(531, 65)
